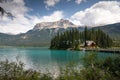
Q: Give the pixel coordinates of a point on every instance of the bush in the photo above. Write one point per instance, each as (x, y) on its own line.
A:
(94, 69)
(15, 71)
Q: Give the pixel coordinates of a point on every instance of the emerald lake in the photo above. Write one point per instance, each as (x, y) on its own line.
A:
(41, 58)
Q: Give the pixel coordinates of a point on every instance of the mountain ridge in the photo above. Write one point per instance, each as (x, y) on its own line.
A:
(42, 33)
(112, 30)
(57, 24)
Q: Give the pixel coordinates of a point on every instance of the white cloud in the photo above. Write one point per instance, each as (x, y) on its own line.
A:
(101, 13)
(51, 3)
(57, 15)
(23, 21)
(78, 1)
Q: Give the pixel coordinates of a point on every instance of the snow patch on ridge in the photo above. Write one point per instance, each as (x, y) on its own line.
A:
(58, 24)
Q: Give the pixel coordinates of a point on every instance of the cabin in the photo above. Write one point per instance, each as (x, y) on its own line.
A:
(90, 44)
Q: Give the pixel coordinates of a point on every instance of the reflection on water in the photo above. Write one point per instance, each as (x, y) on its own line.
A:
(42, 58)
(63, 57)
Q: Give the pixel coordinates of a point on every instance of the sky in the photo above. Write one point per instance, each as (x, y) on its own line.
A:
(27, 13)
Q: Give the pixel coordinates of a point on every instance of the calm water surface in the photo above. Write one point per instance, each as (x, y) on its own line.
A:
(43, 58)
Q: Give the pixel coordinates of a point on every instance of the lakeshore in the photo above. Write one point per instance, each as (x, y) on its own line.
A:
(105, 50)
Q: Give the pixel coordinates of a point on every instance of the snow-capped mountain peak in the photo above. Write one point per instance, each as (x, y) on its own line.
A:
(57, 24)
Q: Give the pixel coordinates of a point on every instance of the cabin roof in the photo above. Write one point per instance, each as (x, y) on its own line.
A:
(88, 43)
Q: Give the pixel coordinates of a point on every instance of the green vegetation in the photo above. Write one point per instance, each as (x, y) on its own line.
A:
(73, 38)
(97, 69)
(112, 29)
(15, 71)
(116, 43)
(93, 69)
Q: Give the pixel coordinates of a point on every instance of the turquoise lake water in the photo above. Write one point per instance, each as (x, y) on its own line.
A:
(43, 58)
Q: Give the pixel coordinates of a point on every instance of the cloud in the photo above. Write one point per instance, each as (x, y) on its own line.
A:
(23, 21)
(101, 13)
(57, 15)
(51, 3)
(18, 9)
(78, 1)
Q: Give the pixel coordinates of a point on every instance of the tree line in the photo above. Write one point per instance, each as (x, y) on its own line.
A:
(73, 38)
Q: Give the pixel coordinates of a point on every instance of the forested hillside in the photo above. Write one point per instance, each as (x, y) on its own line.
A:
(73, 38)
(112, 29)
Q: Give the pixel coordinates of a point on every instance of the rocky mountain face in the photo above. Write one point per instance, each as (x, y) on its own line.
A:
(40, 35)
(58, 24)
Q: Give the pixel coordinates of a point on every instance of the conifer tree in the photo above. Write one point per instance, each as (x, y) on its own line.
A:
(73, 38)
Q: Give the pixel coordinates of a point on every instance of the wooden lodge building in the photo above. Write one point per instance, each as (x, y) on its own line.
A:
(90, 44)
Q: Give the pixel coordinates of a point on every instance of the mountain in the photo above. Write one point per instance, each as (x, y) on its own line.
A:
(40, 35)
(58, 24)
(113, 30)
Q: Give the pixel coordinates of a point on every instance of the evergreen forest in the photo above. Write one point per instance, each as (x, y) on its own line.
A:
(73, 38)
